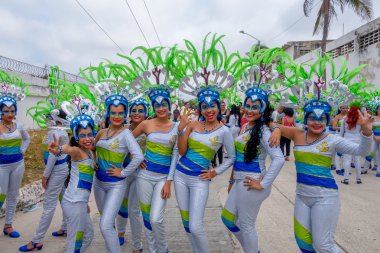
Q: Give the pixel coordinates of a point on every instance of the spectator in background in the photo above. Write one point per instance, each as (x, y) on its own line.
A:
(234, 121)
(175, 116)
(289, 121)
(186, 109)
(278, 114)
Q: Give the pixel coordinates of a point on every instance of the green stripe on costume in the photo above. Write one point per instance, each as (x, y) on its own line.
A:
(85, 169)
(145, 208)
(302, 233)
(125, 202)
(109, 156)
(201, 149)
(228, 215)
(10, 142)
(239, 147)
(79, 236)
(184, 215)
(313, 159)
(159, 148)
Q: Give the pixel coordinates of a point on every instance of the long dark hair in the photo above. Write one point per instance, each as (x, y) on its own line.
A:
(235, 111)
(251, 148)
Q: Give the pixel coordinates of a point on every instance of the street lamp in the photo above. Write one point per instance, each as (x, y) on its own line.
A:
(258, 41)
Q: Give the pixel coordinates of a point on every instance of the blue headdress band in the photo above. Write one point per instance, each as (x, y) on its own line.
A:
(159, 94)
(8, 102)
(116, 100)
(257, 94)
(318, 108)
(83, 121)
(140, 101)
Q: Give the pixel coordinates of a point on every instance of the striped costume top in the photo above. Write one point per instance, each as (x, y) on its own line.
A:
(376, 128)
(51, 160)
(114, 151)
(141, 140)
(12, 145)
(161, 155)
(201, 149)
(81, 178)
(313, 163)
(256, 168)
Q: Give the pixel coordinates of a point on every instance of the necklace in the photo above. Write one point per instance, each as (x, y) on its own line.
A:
(87, 152)
(247, 127)
(316, 140)
(212, 129)
(110, 137)
(8, 127)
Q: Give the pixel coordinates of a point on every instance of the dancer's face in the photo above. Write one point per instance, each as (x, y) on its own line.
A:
(86, 137)
(252, 110)
(211, 112)
(117, 115)
(314, 125)
(161, 110)
(344, 109)
(8, 113)
(137, 113)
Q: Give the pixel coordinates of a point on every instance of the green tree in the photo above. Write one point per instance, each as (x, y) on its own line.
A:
(327, 12)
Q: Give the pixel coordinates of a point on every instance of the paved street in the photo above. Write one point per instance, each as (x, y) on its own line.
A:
(358, 229)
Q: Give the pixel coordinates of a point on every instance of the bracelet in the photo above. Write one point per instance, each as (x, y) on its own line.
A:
(181, 133)
(273, 128)
(60, 151)
(232, 181)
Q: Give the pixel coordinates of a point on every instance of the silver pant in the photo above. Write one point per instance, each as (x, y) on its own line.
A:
(192, 195)
(315, 220)
(347, 166)
(80, 232)
(64, 218)
(108, 197)
(10, 181)
(131, 209)
(240, 214)
(54, 189)
(153, 212)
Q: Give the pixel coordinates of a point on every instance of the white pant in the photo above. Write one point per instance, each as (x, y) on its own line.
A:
(347, 166)
(240, 214)
(315, 220)
(130, 209)
(10, 181)
(192, 195)
(108, 197)
(54, 189)
(80, 232)
(153, 212)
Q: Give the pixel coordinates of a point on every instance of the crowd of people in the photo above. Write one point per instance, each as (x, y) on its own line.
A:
(133, 160)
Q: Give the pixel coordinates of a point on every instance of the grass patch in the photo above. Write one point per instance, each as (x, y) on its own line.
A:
(34, 157)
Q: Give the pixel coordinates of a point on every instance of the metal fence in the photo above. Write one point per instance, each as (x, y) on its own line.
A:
(29, 69)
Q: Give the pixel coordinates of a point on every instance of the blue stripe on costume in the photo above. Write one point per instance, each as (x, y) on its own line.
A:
(158, 158)
(158, 168)
(10, 150)
(8, 159)
(201, 160)
(188, 167)
(313, 170)
(250, 167)
(101, 173)
(316, 181)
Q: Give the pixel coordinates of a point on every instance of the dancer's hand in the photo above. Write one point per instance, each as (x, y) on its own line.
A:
(365, 121)
(45, 182)
(115, 171)
(143, 165)
(53, 146)
(275, 138)
(165, 192)
(207, 175)
(184, 121)
(88, 209)
(229, 187)
(253, 184)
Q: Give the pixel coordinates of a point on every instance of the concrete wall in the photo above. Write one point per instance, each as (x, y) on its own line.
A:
(369, 55)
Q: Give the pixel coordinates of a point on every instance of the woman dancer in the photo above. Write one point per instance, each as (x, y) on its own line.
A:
(75, 200)
(130, 207)
(337, 163)
(154, 180)
(350, 131)
(197, 145)
(252, 146)
(54, 177)
(317, 204)
(234, 121)
(14, 141)
(375, 150)
(113, 145)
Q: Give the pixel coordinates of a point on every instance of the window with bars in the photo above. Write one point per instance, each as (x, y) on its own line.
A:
(343, 50)
(369, 39)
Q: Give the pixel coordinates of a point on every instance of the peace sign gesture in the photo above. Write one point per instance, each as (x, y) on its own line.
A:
(365, 121)
(184, 121)
(53, 147)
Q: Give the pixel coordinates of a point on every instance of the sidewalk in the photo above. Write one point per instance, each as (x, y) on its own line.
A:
(357, 232)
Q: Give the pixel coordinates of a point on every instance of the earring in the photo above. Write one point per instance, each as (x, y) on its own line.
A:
(262, 119)
(201, 118)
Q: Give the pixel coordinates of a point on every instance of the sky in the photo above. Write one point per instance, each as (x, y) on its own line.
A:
(60, 33)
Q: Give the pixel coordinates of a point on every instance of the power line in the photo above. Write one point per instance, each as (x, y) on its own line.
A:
(151, 20)
(130, 9)
(101, 28)
(289, 27)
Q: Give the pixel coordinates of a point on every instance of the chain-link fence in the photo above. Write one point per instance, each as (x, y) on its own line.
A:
(29, 69)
